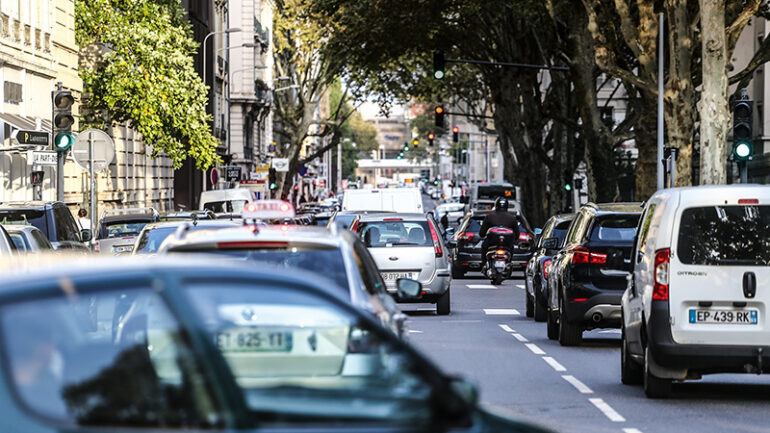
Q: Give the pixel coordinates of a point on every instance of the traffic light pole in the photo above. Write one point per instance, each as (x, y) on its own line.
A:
(743, 171)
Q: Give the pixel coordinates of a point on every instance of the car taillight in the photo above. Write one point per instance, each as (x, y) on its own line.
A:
(354, 227)
(582, 256)
(525, 237)
(97, 247)
(466, 236)
(436, 241)
(546, 264)
(660, 288)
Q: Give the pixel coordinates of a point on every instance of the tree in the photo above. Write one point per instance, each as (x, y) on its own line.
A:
(137, 66)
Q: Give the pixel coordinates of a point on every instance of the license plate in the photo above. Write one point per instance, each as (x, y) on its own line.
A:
(253, 340)
(392, 277)
(729, 317)
(500, 265)
(123, 249)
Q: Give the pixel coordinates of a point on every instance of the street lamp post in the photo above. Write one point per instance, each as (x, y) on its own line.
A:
(230, 30)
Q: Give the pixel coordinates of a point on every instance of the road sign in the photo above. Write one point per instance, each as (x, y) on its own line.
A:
(24, 136)
(103, 149)
(233, 173)
(41, 158)
(214, 176)
(271, 147)
(281, 164)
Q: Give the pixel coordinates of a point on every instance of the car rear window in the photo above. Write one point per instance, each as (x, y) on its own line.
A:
(620, 228)
(25, 217)
(121, 229)
(227, 206)
(725, 235)
(396, 232)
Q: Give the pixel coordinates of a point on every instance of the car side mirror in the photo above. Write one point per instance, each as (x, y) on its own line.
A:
(538, 231)
(450, 231)
(85, 235)
(465, 390)
(408, 288)
(551, 243)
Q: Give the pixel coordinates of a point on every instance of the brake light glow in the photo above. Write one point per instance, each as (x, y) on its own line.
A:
(392, 219)
(436, 241)
(546, 265)
(660, 288)
(501, 231)
(501, 252)
(582, 256)
(748, 201)
(579, 299)
(525, 237)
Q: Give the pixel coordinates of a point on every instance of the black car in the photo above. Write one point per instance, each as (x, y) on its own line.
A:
(54, 219)
(536, 275)
(588, 275)
(466, 244)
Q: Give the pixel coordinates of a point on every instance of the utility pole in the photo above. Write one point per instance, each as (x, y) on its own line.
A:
(660, 183)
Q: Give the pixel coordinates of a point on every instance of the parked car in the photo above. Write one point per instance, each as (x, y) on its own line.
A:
(536, 275)
(466, 244)
(54, 219)
(27, 239)
(698, 297)
(588, 275)
(7, 245)
(349, 219)
(153, 234)
(118, 229)
(181, 344)
(409, 246)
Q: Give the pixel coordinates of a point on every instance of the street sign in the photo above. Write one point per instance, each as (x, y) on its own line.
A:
(41, 158)
(24, 136)
(214, 176)
(271, 147)
(233, 173)
(260, 172)
(103, 149)
(268, 209)
(281, 164)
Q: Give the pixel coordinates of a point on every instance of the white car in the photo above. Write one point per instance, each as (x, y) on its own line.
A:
(698, 299)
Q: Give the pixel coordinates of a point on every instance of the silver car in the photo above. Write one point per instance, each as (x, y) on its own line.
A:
(409, 245)
(119, 228)
(28, 239)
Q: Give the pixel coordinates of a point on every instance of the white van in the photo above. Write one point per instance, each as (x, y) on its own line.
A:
(407, 200)
(225, 201)
(699, 297)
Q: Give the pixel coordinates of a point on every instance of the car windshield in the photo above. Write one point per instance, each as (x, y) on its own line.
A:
(725, 235)
(19, 240)
(152, 238)
(299, 358)
(25, 217)
(345, 220)
(615, 228)
(122, 229)
(114, 358)
(396, 232)
(226, 206)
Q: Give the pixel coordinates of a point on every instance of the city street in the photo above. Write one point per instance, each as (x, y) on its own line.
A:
(521, 373)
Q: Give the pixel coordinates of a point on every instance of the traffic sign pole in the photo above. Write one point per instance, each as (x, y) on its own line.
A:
(93, 184)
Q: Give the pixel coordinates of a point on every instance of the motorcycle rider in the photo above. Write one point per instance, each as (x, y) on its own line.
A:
(500, 217)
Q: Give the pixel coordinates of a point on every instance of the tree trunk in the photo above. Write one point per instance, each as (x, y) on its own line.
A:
(646, 143)
(714, 114)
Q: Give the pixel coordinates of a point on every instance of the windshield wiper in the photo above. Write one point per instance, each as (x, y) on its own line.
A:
(402, 243)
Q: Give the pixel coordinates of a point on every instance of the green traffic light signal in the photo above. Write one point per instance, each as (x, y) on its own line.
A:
(63, 142)
(567, 187)
(439, 64)
(743, 150)
(273, 186)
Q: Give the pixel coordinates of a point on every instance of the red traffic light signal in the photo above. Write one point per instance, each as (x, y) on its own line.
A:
(455, 134)
(439, 116)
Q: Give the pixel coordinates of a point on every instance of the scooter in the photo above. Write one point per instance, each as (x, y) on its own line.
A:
(498, 258)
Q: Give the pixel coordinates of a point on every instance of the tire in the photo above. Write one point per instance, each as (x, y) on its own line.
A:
(443, 304)
(569, 334)
(497, 280)
(553, 327)
(540, 312)
(457, 273)
(530, 306)
(631, 373)
(654, 387)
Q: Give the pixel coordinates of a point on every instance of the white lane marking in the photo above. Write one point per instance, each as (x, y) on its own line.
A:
(631, 430)
(580, 386)
(610, 331)
(414, 331)
(426, 308)
(607, 410)
(536, 350)
(505, 328)
(520, 337)
(554, 363)
(461, 321)
(481, 286)
(521, 286)
(501, 312)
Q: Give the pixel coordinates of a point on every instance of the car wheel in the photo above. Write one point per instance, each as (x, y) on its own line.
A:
(457, 273)
(630, 372)
(442, 306)
(530, 306)
(553, 326)
(654, 387)
(569, 334)
(540, 311)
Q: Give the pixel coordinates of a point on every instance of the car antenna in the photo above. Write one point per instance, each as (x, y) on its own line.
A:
(195, 219)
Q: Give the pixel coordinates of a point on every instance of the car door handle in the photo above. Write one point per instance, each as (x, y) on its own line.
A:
(749, 284)
(394, 258)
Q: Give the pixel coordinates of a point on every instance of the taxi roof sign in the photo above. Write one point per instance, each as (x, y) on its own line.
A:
(268, 209)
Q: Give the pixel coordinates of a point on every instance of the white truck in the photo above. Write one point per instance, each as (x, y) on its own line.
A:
(391, 199)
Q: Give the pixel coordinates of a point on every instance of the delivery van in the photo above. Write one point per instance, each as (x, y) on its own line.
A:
(390, 200)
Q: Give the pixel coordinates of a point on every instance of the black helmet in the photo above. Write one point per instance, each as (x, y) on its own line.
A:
(501, 204)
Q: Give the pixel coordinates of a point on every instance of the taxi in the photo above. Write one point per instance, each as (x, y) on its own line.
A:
(338, 255)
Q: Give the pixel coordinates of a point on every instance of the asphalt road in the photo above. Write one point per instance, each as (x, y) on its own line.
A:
(488, 339)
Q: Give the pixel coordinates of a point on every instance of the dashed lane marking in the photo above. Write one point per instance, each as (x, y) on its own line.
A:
(536, 350)
(520, 337)
(481, 286)
(505, 328)
(631, 430)
(580, 386)
(414, 331)
(610, 331)
(607, 410)
(501, 312)
(461, 321)
(521, 286)
(554, 363)
(426, 308)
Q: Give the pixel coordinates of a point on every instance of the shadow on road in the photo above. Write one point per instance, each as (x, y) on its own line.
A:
(602, 343)
(721, 391)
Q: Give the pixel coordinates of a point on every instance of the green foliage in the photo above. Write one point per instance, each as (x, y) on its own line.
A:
(425, 123)
(137, 67)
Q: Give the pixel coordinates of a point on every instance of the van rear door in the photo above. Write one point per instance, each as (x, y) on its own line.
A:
(719, 274)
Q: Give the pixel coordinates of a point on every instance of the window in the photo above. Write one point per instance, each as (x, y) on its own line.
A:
(368, 269)
(575, 231)
(41, 240)
(120, 229)
(645, 229)
(725, 235)
(34, 217)
(618, 228)
(13, 92)
(396, 232)
(66, 227)
(19, 241)
(114, 358)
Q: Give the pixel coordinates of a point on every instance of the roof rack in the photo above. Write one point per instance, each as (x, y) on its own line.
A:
(134, 210)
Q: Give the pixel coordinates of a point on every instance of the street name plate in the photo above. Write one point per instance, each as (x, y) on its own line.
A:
(41, 158)
(24, 136)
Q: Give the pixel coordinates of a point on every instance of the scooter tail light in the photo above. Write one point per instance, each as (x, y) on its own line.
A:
(660, 287)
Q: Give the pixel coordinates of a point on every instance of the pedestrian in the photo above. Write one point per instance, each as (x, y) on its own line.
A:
(83, 220)
(445, 220)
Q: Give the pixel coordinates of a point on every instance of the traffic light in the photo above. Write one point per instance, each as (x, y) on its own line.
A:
(272, 179)
(439, 116)
(406, 147)
(430, 139)
(578, 183)
(455, 134)
(743, 121)
(567, 184)
(416, 143)
(439, 65)
(63, 120)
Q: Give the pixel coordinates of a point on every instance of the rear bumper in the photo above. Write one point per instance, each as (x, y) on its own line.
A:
(700, 358)
(467, 261)
(601, 309)
(431, 290)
